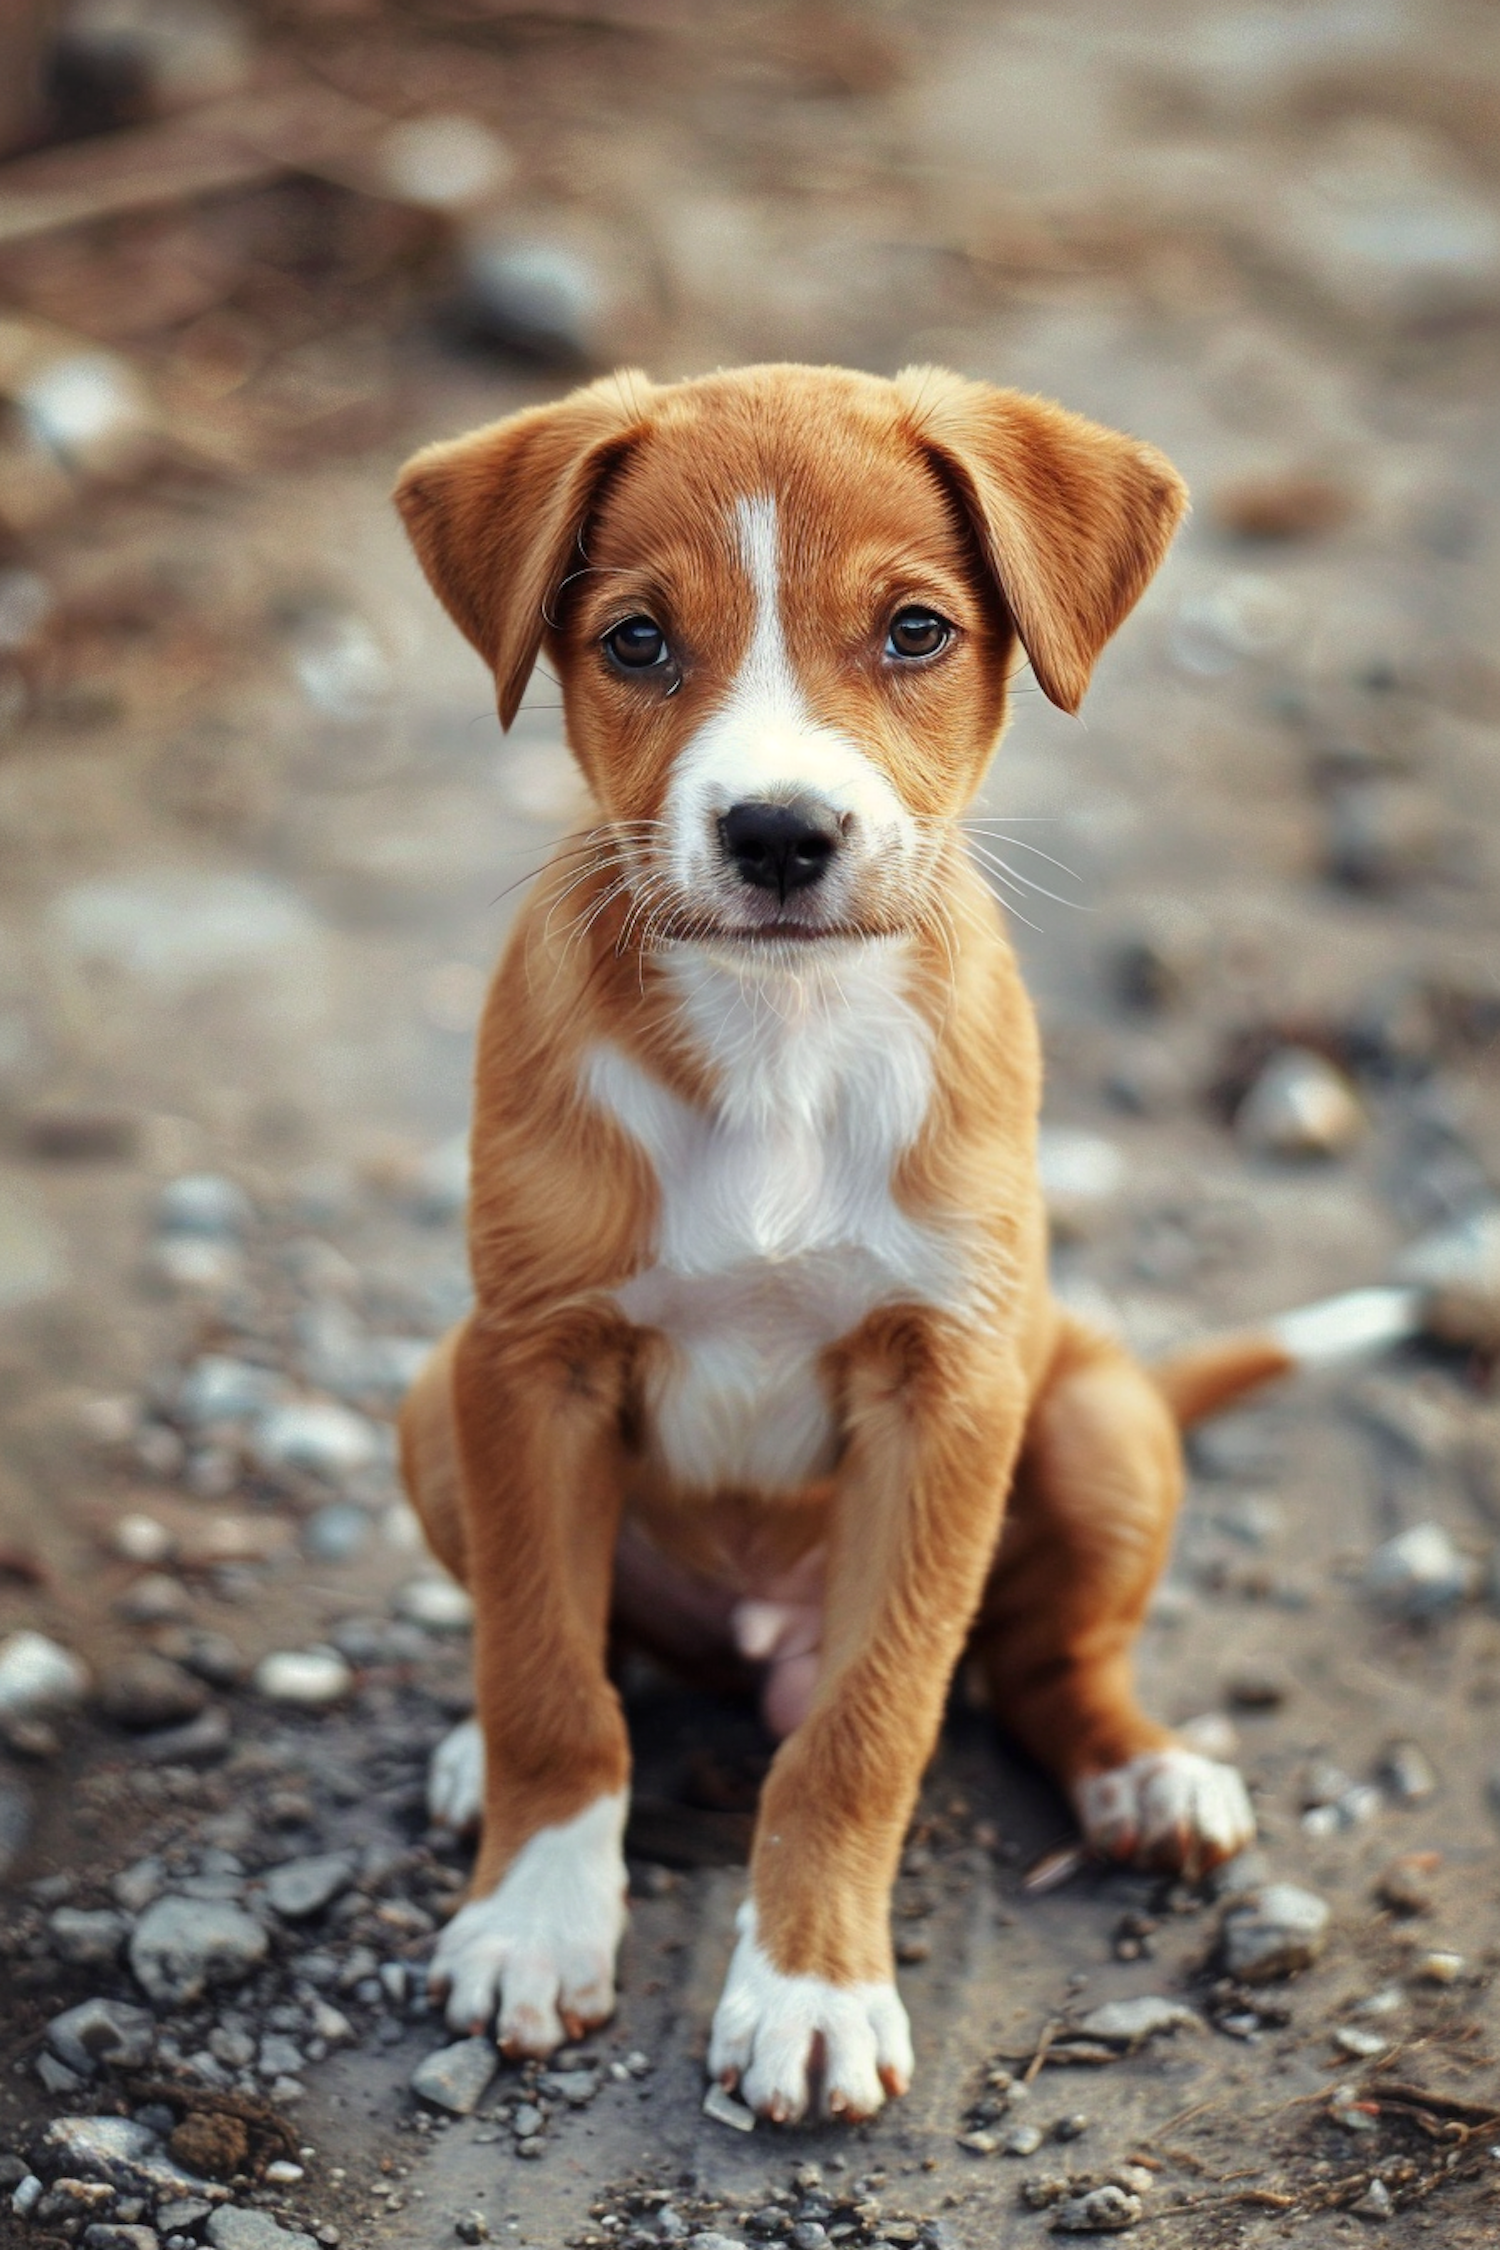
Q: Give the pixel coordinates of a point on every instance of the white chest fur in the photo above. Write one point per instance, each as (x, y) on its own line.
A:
(778, 1228)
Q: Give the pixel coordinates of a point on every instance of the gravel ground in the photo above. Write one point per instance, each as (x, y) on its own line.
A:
(258, 840)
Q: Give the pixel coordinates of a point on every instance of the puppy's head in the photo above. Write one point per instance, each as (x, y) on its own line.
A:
(784, 604)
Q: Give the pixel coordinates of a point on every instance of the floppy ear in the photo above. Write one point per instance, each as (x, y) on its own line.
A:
(494, 516)
(1072, 518)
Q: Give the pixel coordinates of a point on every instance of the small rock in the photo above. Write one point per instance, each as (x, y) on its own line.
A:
(439, 1604)
(302, 1887)
(1274, 1932)
(86, 1938)
(473, 2226)
(199, 1742)
(456, 2077)
(26, 2195)
(1405, 1886)
(203, 1203)
(102, 2031)
(1407, 1773)
(155, 1599)
(1258, 1687)
(537, 295)
(129, 2155)
(315, 1437)
(1439, 1967)
(1380, 832)
(313, 1678)
(37, 1676)
(183, 1945)
(111, 2234)
(1375, 2203)
(575, 2087)
(1363, 2045)
(1103, 2210)
(137, 1885)
(1300, 1106)
(146, 1691)
(1126, 2023)
(254, 2230)
(336, 1533)
(180, 2215)
(1024, 2141)
(141, 1539)
(1071, 2128)
(1458, 1269)
(721, 2106)
(980, 2142)
(1083, 1176)
(1419, 1573)
(526, 2121)
(443, 163)
(58, 2079)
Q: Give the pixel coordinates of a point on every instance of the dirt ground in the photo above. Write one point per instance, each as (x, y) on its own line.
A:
(260, 838)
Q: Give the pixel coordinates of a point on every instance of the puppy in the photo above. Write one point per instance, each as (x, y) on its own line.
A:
(763, 1355)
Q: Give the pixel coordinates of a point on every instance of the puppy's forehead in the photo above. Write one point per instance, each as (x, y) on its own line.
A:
(847, 482)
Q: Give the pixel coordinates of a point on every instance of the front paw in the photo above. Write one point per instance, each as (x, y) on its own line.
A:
(791, 2044)
(1170, 1808)
(539, 1951)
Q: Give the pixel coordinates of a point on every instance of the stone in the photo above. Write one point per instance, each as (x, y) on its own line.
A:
(1408, 1773)
(147, 1691)
(1420, 1573)
(1103, 2210)
(278, 2057)
(1083, 1177)
(127, 2154)
(1380, 833)
(336, 1533)
(141, 1539)
(441, 1605)
(37, 1676)
(156, 1598)
(86, 1938)
(443, 163)
(537, 294)
(1457, 1268)
(575, 2087)
(455, 2078)
(315, 1437)
(102, 2031)
(1127, 2023)
(1362, 2045)
(1300, 1107)
(1375, 2203)
(302, 1887)
(472, 2226)
(1405, 1885)
(180, 2214)
(255, 2230)
(218, 1390)
(197, 1742)
(26, 2195)
(313, 1678)
(183, 1945)
(206, 1204)
(721, 2106)
(1274, 1932)
(112, 2234)
(137, 1885)
(59, 2080)
(1439, 1967)
(1024, 2141)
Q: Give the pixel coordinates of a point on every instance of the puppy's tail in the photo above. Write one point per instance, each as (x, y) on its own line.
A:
(1333, 1333)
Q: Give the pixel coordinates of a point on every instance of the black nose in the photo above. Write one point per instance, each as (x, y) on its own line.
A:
(779, 848)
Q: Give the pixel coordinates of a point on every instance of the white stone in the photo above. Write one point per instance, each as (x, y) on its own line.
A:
(444, 163)
(1458, 1270)
(439, 1604)
(1300, 1106)
(1274, 1932)
(141, 1539)
(1082, 1176)
(1126, 2023)
(37, 1675)
(317, 1436)
(204, 1203)
(1420, 1572)
(312, 1677)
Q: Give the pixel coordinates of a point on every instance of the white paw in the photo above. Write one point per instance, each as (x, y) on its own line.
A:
(1170, 1808)
(455, 1779)
(786, 2042)
(539, 1952)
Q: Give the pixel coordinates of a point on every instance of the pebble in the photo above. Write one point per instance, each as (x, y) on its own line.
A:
(198, 1742)
(472, 2226)
(1405, 1886)
(1379, 832)
(1274, 1932)
(315, 1437)
(313, 1678)
(544, 298)
(127, 2154)
(254, 2230)
(155, 1599)
(1126, 2023)
(181, 2214)
(1439, 1967)
(112, 2234)
(147, 1691)
(439, 1604)
(37, 1676)
(1362, 2045)
(1375, 2203)
(1458, 1269)
(526, 2121)
(137, 1885)
(302, 1887)
(27, 2194)
(1420, 1573)
(1103, 2210)
(1300, 1106)
(980, 2143)
(182, 1945)
(1408, 1773)
(1024, 2141)
(443, 163)
(205, 1204)
(141, 1539)
(1258, 1687)
(102, 2031)
(218, 1390)
(1083, 1177)
(721, 2106)
(336, 1533)
(455, 2078)
(86, 1938)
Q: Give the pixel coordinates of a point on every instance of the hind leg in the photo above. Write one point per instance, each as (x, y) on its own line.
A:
(429, 1465)
(1085, 1540)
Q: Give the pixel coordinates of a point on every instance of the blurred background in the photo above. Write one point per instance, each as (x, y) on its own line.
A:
(260, 836)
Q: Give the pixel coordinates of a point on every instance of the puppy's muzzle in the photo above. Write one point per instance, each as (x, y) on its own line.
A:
(780, 847)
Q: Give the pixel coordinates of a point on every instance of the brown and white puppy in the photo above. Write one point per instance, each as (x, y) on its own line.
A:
(763, 1353)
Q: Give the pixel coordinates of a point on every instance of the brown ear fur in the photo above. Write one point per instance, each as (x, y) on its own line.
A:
(1072, 518)
(493, 516)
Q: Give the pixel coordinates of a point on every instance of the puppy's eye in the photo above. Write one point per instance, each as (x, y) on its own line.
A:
(637, 644)
(917, 632)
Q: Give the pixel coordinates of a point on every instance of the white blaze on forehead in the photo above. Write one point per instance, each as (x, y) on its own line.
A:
(764, 740)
